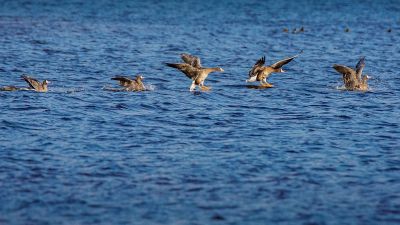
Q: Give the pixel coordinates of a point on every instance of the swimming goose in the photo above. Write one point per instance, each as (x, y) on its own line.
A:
(352, 78)
(260, 73)
(9, 88)
(192, 69)
(131, 84)
(35, 84)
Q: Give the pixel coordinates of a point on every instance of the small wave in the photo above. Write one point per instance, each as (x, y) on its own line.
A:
(67, 90)
(108, 88)
(343, 88)
(149, 87)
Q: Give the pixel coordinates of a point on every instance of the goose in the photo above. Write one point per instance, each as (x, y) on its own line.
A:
(353, 79)
(192, 69)
(260, 73)
(129, 84)
(35, 84)
(9, 88)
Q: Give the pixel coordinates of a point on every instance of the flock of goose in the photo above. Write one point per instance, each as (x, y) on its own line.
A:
(191, 66)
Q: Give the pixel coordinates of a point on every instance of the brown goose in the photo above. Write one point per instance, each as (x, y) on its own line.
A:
(260, 73)
(131, 84)
(9, 88)
(35, 84)
(352, 78)
(192, 69)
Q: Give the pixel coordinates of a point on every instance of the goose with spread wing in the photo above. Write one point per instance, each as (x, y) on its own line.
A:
(35, 84)
(192, 68)
(129, 84)
(353, 79)
(260, 72)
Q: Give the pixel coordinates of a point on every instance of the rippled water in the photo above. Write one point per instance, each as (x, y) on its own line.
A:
(303, 152)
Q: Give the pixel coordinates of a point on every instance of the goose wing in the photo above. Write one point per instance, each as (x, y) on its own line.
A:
(283, 62)
(33, 83)
(190, 71)
(123, 81)
(359, 68)
(191, 60)
(349, 75)
(258, 66)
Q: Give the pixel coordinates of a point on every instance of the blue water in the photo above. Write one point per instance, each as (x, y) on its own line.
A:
(303, 152)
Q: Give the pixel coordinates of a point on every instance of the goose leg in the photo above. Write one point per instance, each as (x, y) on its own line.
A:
(193, 86)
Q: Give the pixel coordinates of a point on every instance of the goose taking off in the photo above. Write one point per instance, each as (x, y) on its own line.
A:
(35, 84)
(260, 73)
(192, 69)
(353, 79)
(131, 84)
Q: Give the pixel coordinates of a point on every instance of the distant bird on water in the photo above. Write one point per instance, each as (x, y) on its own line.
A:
(34, 85)
(352, 79)
(129, 84)
(260, 73)
(10, 88)
(192, 69)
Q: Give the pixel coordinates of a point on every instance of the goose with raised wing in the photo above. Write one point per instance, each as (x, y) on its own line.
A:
(260, 72)
(354, 80)
(35, 84)
(192, 68)
(130, 84)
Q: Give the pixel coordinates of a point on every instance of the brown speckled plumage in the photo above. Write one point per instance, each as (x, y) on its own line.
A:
(129, 84)
(353, 79)
(192, 69)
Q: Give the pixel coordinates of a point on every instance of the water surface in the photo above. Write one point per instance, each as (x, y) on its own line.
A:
(303, 152)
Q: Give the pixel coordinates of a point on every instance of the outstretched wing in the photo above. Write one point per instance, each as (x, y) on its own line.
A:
(283, 62)
(187, 69)
(257, 67)
(344, 69)
(191, 60)
(33, 83)
(359, 68)
(349, 75)
(123, 81)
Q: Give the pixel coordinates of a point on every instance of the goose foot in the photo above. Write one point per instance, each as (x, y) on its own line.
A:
(205, 88)
(267, 85)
